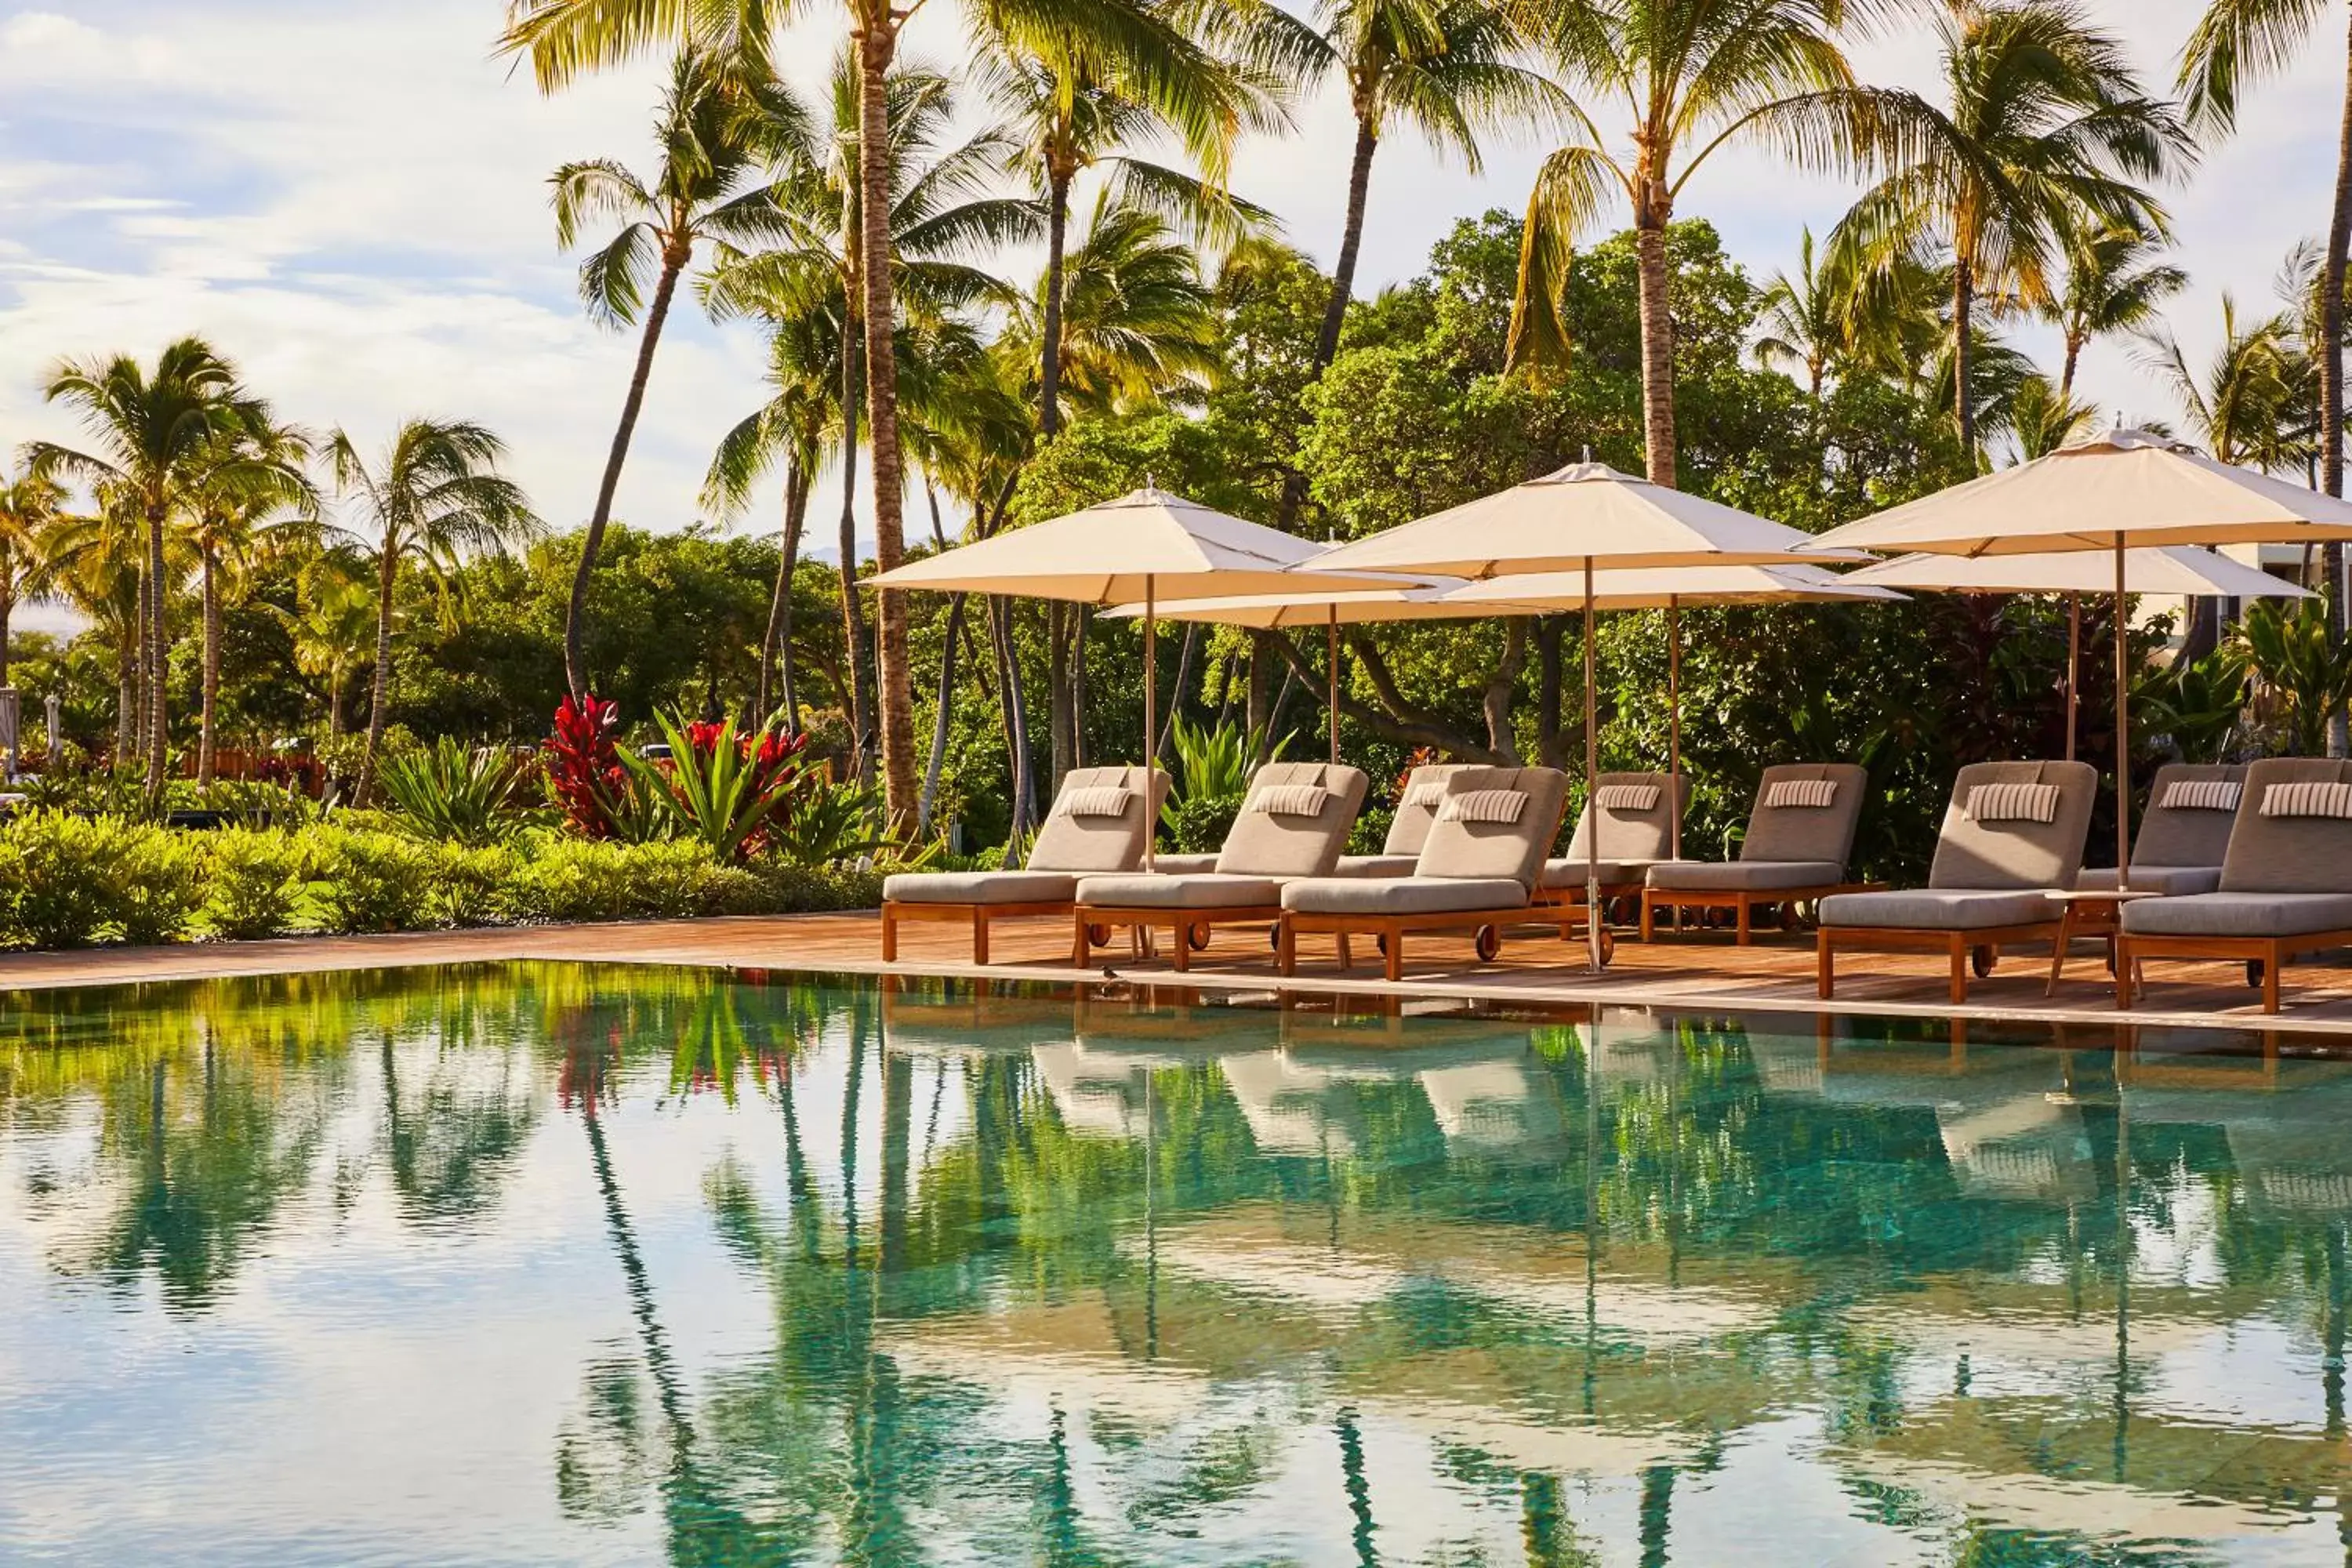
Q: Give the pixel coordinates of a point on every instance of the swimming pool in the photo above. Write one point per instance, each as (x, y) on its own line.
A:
(563, 1263)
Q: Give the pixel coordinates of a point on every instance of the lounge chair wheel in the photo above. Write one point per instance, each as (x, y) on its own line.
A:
(1196, 937)
(1098, 935)
(1274, 939)
(1489, 943)
(1980, 959)
(1608, 948)
(1381, 941)
(2254, 973)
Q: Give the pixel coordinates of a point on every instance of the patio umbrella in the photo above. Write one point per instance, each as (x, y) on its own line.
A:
(2106, 492)
(1308, 603)
(1669, 588)
(2187, 569)
(1585, 515)
(1136, 547)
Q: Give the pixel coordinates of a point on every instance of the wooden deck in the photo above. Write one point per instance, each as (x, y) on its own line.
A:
(1694, 972)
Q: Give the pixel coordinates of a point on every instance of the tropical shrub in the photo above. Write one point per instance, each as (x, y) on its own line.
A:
(584, 771)
(2195, 707)
(1197, 824)
(726, 791)
(72, 880)
(2304, 675)
(451, 794)
(1369, 836)
(254, 882)
(830, 823)
(1213, 762)
(374, 881)
(575, 880)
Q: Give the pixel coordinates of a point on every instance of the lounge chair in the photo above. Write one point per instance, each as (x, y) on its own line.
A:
(1637, 814)
(1800, 835)
(1409, 830)
(2285, 888)
(1477, 873)
(2183, 835)
(2013, 833)
(1293, 822)
(1097, 824)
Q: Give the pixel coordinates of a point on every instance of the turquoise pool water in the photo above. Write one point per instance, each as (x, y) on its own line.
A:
(563, 1264)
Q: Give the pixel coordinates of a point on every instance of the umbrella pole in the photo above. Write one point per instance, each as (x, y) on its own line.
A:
(2074, 667)
(1674, 717)
(1150, 724)
(2123, 732)
(1591, 788)
(1334, 659)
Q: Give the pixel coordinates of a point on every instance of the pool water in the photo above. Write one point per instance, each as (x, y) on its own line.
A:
(568, 1264)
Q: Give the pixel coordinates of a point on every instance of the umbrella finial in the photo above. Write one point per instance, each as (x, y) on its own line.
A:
(1588, 451)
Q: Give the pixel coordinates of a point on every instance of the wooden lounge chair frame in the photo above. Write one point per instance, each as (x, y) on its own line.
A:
(2269, 953)
(1189, 930)
(977, 916)
(1742, 902)
(1979, 950)
(1485, 928)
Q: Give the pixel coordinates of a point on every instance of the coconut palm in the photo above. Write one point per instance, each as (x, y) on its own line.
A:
(432, 495)
(1695, 76)
(2043, 418)
(30, 507)
(712, 128)
(1137, 323)
(2115, 284)
(155, 433)
(811, 268)
(2046, 125)
(248, 491)
(333, 625)
(1807, 317)
(2241, 408)
(97, 563)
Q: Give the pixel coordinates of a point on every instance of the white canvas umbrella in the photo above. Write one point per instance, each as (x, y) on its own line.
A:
(1669, 588)
(2187, 571)
(1137, 547)
(1584, 516)
(2106, 492)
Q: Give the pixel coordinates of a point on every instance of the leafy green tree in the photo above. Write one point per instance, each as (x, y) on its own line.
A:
(2115, 284)
(432, 495)
(2240, 406)
(714, 125)
(332, 625)
(249, 491)
(30, 507)
(2046, 128)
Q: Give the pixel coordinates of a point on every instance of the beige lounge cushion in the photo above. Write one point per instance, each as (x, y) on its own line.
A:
(1422, 792)
(1973, 851)
(1265, 844)
(1376, 865)
(2289, 854)
(1800, 794)
(2240, 914)
(1565, 873)
(1403, 895)
(1182, 865)
(1778, 833)
(1634, 798)
(2199, 795)
(2309, 797)
(1461, 849)
(980, 887)
(2173, 881)
(2189, 835)
(1424, 787)
(1744, 876)
(2013, 802)
(1071, 842)
(1288, 800)
(1952, 908)
(1646, 836)
(1210, 890)
(1483, 805)
(1095, 800)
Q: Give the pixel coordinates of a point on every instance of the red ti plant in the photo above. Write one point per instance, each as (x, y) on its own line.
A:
(583, 764)
(730, 791)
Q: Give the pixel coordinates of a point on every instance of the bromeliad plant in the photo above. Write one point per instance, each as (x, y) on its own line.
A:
(732, 792)
(451, 794)
(2304, 674)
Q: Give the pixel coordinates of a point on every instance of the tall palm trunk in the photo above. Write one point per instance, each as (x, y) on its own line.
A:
(212, 667)
(2075, 344)
(380, 703)
(8, 614)
(1057, 235)
(1964, 403)
(2331, 378)
(775, 644)
(126, 690)
(1657, 334)
(940, 726)
(157, 648)
(1343, 290)
(575, 663)
(853, 607)
(876, 46)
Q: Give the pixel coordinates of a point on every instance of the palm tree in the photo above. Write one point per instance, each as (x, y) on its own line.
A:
(2043, 418)
(711, 130)
(246, 488)
(2045, 127)
(435, 494)
(811, 269)
(97, 563)
(1806, 317)
(156, 433)
(30, 506)
(333, 627)
(1696, 76)
(1137, 323)
(2114, 285)
(2241, 406)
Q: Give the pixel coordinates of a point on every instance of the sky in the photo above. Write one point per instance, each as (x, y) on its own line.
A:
(351, 201)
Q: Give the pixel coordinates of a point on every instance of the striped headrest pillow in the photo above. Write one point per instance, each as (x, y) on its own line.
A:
(1425, 795)
(2313, 797)
(1288, 800)
(1627, 797)
(2013, 802)
(1483, 805)
(1094, 800)
(1814, 792)
(2202, 794)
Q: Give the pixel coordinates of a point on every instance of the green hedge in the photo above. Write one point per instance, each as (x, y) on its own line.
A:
(68, 880)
